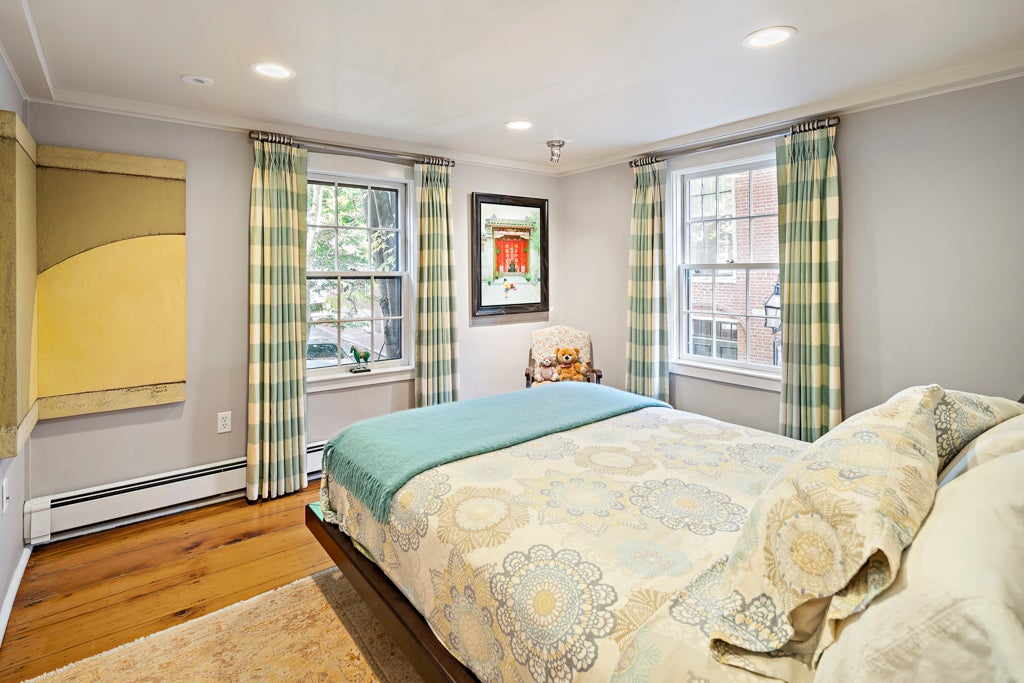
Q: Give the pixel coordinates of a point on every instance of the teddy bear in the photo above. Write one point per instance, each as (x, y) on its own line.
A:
(546, 370)
(569, 366)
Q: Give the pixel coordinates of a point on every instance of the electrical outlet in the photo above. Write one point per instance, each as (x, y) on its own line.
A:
(5, 494)
(224, 422)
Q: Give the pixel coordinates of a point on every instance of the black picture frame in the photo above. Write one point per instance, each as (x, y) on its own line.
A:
(509, 255)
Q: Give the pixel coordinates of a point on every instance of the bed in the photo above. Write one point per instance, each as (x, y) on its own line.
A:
(653, 544)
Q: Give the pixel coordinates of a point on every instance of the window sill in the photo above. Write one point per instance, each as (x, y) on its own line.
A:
(767, 381)
(343, 379)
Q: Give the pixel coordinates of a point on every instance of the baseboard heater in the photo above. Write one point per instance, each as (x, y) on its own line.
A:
(51, 518)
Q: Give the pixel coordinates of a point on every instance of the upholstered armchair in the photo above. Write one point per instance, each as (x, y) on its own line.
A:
(548, 339)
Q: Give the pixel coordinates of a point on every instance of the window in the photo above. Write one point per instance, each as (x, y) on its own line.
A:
(727, 234)
(356, 272)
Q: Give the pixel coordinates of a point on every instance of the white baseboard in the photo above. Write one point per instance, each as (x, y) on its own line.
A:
(12, 590)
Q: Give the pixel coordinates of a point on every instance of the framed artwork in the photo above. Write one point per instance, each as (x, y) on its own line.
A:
(510, 255)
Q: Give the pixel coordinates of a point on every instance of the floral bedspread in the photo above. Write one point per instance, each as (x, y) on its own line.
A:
(563, 558)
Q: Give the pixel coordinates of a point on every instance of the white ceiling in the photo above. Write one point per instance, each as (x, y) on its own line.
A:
(614, 78)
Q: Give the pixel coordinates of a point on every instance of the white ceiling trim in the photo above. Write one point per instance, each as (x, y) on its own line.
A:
(40, 54)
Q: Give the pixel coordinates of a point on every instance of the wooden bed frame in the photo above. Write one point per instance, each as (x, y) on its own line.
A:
(400, 620)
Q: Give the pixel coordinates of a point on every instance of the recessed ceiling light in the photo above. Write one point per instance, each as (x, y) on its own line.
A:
(271, 70)
(518, 125)
(198, 81)
(769, 37)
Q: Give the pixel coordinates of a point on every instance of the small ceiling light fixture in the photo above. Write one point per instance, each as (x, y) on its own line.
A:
(768, 37)
(198, 81)
(271, 70)
(556, 149)
(519, 125)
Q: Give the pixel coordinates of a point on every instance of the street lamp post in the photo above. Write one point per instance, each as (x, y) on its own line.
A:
(773, 320)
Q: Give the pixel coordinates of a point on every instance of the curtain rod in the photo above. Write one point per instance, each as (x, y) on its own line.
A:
(733, 139)
(364, 152)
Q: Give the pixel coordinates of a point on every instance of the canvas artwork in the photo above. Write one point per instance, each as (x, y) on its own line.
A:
(510, 259)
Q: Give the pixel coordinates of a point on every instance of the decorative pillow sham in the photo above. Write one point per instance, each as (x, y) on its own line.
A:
(961, 417)
(1003, 439)
(826, 537)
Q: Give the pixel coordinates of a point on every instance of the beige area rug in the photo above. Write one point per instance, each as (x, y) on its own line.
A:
(315, 629)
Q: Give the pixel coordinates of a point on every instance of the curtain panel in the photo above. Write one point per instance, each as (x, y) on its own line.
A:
(647, 350)
(437, 379)
(808, 172)
(276, 450)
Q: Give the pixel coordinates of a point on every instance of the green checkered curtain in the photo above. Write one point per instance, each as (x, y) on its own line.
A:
(809, 283)
(437, 378)
(647, 353)
(276, 452)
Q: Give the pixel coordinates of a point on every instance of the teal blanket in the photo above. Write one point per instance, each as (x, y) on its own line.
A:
(376, 457)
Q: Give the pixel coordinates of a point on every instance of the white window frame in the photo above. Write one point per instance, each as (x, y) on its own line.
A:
(681, 363)
(384, 371)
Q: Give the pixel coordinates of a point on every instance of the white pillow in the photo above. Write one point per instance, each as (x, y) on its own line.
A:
(956, 608)
(1004, 438)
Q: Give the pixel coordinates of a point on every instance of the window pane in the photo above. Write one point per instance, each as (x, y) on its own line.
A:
(742, 248)
(697, 190)
(384, 250)
(726, 242)
(766, 191)
(762, 287)
(731, 292)
(352, 206)
(355, 298)
(322, 299)
(355, 335)
(353, 249)
(387, 335)
(383, 205)
(320, 209)
(765, 233)
(730, 341)
(388, 297)
(322, 346)
(728, 331)
(700, 336)
(321, 247)
(703, 244)
(765, 343)
(698, 290)
(728, 206)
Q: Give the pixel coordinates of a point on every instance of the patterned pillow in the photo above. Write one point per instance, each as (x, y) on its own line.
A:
(827, 536)
(961, 417)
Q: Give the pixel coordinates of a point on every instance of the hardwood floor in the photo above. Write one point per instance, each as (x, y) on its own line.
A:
(86, 595)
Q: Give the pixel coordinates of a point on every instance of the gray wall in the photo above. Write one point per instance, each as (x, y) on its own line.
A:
(933, 238)
(10, 96)
(598, 207)
(78, 452)
(11, 469)
(931, 249)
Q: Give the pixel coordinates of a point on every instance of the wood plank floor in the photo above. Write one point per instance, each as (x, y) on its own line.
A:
(86, 595)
